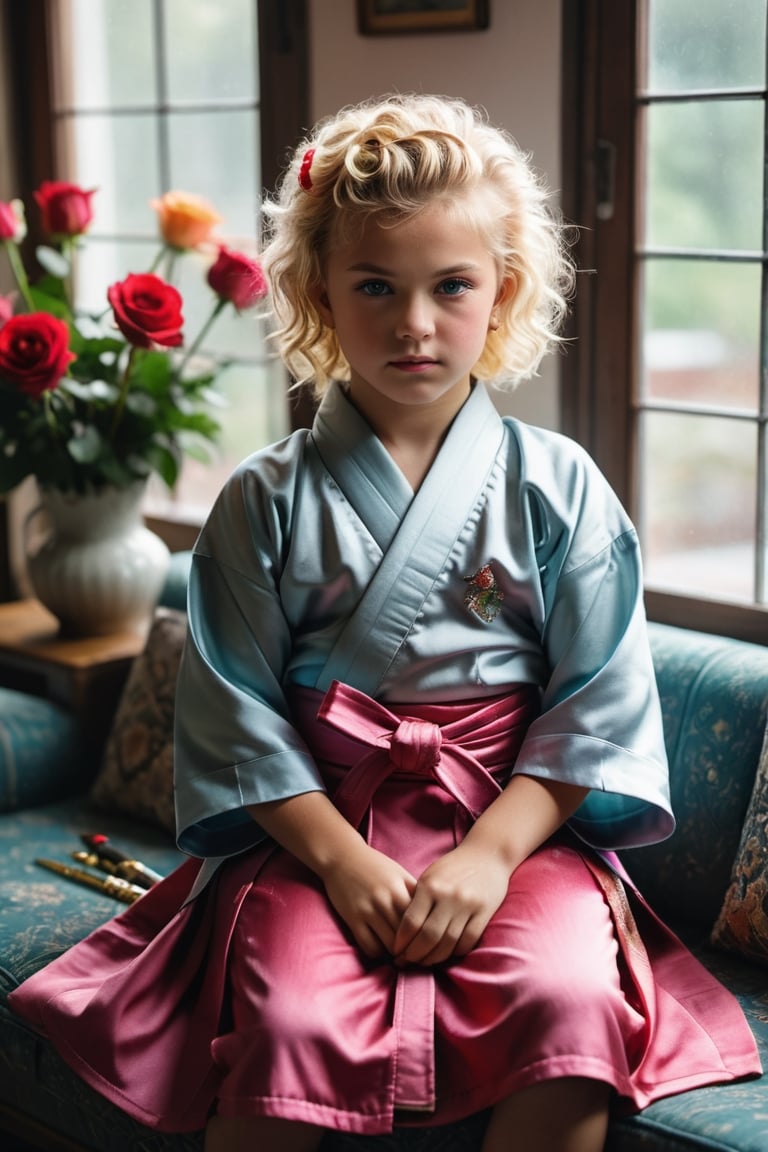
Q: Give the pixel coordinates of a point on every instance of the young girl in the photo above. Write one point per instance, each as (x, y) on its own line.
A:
(415, 714)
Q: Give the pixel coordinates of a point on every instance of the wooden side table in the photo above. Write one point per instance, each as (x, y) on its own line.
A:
(85, 675)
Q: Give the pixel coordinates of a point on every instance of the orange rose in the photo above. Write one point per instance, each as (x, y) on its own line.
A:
(185, 220)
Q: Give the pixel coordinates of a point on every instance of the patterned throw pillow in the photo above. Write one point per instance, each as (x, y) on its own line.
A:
(136, 775)
(742, 925)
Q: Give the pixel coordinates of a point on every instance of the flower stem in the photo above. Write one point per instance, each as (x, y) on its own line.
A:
(124, 386)
(190, 352)
(158, 258)
(19, 272)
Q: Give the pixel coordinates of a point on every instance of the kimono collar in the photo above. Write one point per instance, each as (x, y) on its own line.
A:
(364, 470)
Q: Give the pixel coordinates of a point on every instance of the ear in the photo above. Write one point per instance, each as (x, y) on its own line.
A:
(322, 304)
(507, 289)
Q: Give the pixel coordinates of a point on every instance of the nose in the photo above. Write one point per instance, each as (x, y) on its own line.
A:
(415, 321)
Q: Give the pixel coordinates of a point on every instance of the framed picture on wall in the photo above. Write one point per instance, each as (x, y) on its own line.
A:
(387, 17)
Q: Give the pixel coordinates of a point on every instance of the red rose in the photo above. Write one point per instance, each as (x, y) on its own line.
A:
(237, 279)
(65, 208)
(147, 310)
(34, 352)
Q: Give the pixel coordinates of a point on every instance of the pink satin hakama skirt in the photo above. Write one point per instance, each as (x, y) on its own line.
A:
(254, 999)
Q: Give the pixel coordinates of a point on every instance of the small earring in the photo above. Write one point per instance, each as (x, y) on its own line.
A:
(493, 323)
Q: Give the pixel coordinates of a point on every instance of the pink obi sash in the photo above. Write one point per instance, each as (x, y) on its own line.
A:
(468, 748)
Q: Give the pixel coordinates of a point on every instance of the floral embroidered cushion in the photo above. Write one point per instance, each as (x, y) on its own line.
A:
(742, 925)
(136, 775)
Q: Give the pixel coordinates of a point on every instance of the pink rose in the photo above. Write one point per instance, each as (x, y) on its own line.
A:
(13, 225)
(65, 208)
(6, 308)
(237, 279)
(34, 352)
(147, 310)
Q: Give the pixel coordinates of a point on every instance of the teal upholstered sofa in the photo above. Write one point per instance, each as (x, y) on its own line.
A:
(715, 697)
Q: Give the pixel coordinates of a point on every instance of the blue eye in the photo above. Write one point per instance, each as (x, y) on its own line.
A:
(374, 288)
(454, 287)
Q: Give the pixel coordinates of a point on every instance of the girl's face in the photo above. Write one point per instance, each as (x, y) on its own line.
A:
(411, 305)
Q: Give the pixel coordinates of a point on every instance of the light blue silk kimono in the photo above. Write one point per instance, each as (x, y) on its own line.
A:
(318, 563)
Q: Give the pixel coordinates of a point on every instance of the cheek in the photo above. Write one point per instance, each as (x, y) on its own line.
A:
(472, 324)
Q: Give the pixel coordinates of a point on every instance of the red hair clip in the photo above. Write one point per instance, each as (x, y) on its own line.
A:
(305, 179)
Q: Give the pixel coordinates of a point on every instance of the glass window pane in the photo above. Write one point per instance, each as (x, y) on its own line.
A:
(216, 155)
(118, 156)
(698, 505)
(705, 174)
(705, 44)
(112, 59)
(211, 49)
(256, 413)
(701, 332)
(104, 262)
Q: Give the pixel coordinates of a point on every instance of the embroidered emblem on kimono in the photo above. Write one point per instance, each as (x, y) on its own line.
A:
(483, 596)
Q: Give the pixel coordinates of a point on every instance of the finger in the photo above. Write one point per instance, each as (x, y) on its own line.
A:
(451, 945)
(370, 942)
(412, 922)
(437, 935)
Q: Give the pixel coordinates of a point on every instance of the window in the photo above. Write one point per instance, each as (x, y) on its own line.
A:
(152, 95)
(667, 384)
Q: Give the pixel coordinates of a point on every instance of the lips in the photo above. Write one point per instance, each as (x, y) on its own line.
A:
(413, 363)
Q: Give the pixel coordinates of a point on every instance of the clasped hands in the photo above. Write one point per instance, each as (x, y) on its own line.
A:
(423, 920)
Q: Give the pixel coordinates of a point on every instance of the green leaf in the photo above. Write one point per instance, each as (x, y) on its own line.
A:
(55, 305)
(141, 404)
(53, 262)
(151, 371)
(90, 391)
(165, 462)
(86, 447)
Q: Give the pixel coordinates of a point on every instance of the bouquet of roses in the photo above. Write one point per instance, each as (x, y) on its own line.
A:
(91, 401)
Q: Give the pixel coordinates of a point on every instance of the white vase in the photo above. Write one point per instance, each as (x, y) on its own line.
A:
(99, 569)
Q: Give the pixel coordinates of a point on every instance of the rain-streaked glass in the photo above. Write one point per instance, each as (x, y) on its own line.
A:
(211, 50)
(112, 62)
(698, 504)
(704, 173)
(701, 332)
(705, 44)
(216, 154)
(118, 156)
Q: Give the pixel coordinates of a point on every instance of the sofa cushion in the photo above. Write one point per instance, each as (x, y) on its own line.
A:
(42, 754)
(136, 775)
(714, 696)
(742, 925)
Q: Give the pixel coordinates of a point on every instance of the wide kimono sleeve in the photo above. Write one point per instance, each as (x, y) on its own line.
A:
(234, 742)
(601, 722)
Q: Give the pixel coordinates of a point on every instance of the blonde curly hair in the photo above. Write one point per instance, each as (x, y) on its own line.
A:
(390, 158)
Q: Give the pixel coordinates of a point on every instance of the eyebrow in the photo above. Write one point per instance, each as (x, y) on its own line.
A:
(378, 270)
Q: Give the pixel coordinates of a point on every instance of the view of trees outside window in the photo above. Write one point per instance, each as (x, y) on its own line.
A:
(159, 95)
(701, 390)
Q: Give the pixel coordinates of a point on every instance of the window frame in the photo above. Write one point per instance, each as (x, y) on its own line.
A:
(601, 192)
